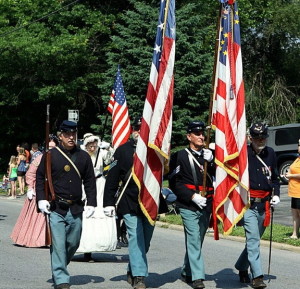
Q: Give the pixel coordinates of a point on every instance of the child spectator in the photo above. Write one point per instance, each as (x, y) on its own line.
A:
(13, 167)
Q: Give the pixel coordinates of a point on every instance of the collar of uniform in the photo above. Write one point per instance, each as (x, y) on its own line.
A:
(195, 153)
(263, 152)
(72, 151)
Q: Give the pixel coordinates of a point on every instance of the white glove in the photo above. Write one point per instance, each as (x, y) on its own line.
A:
(199, 201)
(44, 206)
(207, 155)
(109, 211)
(275, 201)
(30, 193)
(89, 211)
(104, 145)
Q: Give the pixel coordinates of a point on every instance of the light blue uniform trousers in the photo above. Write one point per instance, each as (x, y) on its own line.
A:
(253, 224)
(66, 233)
(195, 226)
(140, 232)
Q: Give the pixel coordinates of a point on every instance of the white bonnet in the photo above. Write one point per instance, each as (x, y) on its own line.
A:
(89, 137)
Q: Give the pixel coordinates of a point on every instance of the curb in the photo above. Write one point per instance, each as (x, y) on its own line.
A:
(264, 243)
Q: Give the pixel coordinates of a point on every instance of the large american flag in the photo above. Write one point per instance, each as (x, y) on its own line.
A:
(153, 145)
(229, 120)
(117, 106)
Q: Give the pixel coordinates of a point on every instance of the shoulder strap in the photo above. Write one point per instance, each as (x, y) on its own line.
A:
(196, 183)
(197, 163)
(266, 167)
(71, 162)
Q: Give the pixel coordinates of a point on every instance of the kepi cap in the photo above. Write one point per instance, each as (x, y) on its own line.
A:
(258, 130)
(195, 126)
(68, 126)
(137, 123)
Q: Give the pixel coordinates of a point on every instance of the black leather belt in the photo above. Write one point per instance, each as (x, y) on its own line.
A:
(259, 200)
(70, 202)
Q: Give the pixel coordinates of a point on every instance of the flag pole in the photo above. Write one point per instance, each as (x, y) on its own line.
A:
(203, 193)
(105, 125)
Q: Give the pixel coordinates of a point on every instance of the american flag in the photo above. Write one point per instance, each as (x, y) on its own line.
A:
(153, 145)
(229, 120)
(117, 106)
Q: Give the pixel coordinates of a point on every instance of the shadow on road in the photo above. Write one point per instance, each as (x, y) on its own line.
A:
(2, 217)
(103, 257)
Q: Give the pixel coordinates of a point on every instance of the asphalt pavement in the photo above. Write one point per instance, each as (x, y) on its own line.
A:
(29, 268)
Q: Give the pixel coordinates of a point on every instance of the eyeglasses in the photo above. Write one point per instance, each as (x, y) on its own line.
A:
(68, 134)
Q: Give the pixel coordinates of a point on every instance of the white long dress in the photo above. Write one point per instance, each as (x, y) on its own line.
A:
(99, 232)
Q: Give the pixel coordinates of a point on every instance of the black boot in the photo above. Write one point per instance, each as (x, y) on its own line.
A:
(139, 282)
(124, 238)
(129, 278)
(198, 284)
(244, 277)
(258, 282)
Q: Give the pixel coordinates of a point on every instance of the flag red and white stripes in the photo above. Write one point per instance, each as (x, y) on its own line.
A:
(153, 145)
(117, 106)
(229, 120)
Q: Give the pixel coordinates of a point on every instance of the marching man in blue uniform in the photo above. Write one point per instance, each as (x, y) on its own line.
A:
(264, 192)
(70, 168)
(186, 181)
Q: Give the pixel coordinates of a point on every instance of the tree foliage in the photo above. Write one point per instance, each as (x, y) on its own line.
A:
(66, 53)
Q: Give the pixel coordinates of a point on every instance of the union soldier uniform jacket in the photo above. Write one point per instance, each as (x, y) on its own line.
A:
(259, 177)
(181, 179)
(120, 170)
(66, 181)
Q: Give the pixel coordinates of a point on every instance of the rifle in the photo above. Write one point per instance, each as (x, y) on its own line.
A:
(48, 187)
(48, 176)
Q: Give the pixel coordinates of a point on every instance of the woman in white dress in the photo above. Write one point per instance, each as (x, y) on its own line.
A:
(99, 233)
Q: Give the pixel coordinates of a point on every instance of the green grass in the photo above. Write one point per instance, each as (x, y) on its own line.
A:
(280, 233)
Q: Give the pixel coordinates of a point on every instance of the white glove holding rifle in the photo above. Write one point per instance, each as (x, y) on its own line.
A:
(44, 206)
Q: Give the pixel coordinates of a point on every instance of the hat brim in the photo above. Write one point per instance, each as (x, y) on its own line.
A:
(259, 136)
(195, 130)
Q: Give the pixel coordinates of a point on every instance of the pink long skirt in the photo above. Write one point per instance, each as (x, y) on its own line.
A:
(30, 229)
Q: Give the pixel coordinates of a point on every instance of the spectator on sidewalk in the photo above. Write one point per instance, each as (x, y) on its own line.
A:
(294, 192)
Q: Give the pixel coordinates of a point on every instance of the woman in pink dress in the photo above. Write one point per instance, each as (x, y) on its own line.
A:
(30, 228)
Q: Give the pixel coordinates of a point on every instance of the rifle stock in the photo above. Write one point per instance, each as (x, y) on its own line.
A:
(49, 191)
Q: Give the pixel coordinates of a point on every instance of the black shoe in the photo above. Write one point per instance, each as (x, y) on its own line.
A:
(62, 286)
(139, 282)
(244, 277)
(186, 279)
(120, 244)
(258, 283)
(129, 278)
(198, 284)
(124, 238)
